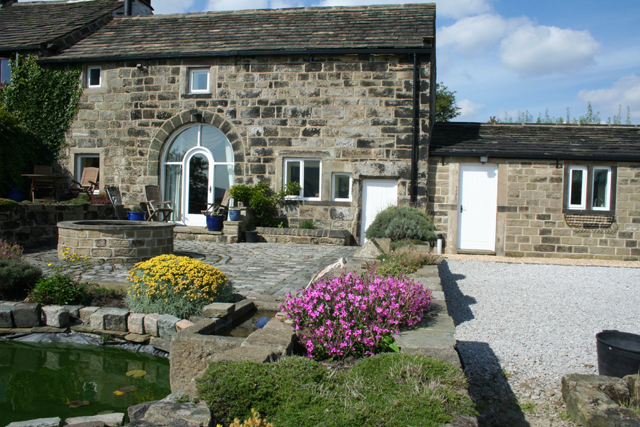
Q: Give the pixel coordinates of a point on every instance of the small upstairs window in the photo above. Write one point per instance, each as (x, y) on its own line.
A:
(199, 81)
(93, 77)
(590, 190)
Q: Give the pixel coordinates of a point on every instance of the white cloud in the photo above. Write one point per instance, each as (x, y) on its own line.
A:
(473, 34)
(469, 111)
(282, 4)
(162, 7)
(236, 4)
(444, 8)
(537, 50)
(625, 92)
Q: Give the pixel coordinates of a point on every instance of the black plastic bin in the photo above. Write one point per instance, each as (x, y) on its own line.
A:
(618, 353)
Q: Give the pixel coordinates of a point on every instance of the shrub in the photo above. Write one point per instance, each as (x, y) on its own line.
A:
(355, 315)
(254, 421)
(394, 390)
(17, 278)
(404, 261)
(176, 285)
(7, 205)
(58, 290)
(263, 200)
(307, 224)
(10, 251)
(402, 222)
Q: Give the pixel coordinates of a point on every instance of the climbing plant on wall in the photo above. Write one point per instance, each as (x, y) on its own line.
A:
(44, 99)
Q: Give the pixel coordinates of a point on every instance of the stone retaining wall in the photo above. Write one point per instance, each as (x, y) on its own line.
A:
(35, 225)
(300, 235)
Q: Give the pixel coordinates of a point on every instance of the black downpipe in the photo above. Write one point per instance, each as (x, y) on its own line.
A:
(416, 131)
(128, 5)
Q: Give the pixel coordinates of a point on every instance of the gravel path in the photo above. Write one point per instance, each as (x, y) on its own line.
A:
(533, 323)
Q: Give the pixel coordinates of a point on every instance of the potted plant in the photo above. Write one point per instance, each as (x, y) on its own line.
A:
(234, 214)
(137, 213)
(215, 220)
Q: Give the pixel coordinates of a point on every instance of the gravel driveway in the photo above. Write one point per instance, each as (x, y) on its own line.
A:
(520, 327)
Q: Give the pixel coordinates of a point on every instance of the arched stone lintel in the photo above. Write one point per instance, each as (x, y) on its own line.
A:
(170, 126)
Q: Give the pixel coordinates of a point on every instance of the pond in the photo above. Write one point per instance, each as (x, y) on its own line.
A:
(65, 380)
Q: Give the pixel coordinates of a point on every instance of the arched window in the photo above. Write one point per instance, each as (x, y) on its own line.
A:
(197, 169)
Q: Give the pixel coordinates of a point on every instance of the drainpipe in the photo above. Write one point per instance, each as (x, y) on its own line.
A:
(128, 5)
(413, 186)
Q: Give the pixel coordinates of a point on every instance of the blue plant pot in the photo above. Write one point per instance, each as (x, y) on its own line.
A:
(234, 215)
(215, 222)
(16, 195)
(136, 216)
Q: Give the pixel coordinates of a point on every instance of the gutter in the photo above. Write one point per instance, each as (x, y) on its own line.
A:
(416, 132)
(241, 53)
(502, 155)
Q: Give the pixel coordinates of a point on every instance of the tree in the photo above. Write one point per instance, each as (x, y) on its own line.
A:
(446, 107)
(591, 118)
(45, 100)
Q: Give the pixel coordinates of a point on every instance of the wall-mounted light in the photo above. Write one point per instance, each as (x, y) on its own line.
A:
(196, 114)
(484, 159)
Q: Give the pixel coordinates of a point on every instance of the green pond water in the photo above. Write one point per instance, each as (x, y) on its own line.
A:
(47, 380)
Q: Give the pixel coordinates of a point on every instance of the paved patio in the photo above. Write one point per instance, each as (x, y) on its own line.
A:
(256, 268)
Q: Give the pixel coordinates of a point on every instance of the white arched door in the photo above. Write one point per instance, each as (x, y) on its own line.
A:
(197, 169)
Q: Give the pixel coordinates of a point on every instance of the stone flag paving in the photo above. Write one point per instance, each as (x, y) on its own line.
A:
(255, 268)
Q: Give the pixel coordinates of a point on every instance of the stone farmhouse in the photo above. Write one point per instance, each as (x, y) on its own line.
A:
(338, 99)
(554, 191)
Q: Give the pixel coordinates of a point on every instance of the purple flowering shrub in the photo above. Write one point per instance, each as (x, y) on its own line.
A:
(355, 314)
(10, 251)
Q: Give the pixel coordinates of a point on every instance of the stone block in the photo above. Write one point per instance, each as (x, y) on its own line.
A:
(251, 353)
(135, 323)
(218, 309)
(151, 324)
(615, 388)
(74, 311)
(112, 420)
(40, 422)
(86, 312)
(171, 411)
(87, 424)
(167, 326)
(183, 324)
(633, 383)
(56, 316)
(137, 412)
(275, 335)
(137, 338)
(6, 318)
(26, 315)
(110, 319)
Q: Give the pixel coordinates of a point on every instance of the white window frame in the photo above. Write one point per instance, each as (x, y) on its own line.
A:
(192, 80)
(89, 85)
(585, 180)
(301, 161)
(5, 79)
(607, 206)
(334, 186)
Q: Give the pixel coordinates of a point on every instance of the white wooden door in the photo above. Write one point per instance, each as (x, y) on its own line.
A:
(377, 195)
(198, 186)
(477, 207)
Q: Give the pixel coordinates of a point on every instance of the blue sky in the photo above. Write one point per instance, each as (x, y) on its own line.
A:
(505, 56)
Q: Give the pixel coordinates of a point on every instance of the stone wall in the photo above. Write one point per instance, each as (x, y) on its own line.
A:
(530, 218)
(354, 112)
(35, 225)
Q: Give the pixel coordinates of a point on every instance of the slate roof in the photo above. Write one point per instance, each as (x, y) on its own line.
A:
(534, 141)
(220, 33)
(26, 25)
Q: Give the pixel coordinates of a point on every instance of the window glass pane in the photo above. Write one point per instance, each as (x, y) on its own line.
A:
(600, 184)
(215, 141)
(342, 187)
(5, 71)
(172, 186)
(311, 186)
(186, 140)
(576, 187)
(222, 181)
(293, 172)
(198, 183)
(200, 80)
(94, 76)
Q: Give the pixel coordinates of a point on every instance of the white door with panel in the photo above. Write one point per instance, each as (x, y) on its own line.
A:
(377, 195)
(477, 207)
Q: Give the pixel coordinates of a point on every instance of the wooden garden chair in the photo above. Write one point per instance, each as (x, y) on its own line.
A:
(113, 193)
(222, 208)
(88, 182)
(155, 204)
(42, 186)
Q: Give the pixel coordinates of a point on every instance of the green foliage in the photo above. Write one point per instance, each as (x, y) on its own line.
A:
(175, 285)
(137, 208)
(17, 278)
(12, 251)
(58, 290)
(7, 205)
(402, 222)
(590, 118)
(263, 201)
(446, 107)
(307, 224)
(23, 148)
(45, 100)
(391, 389)
(404, 261)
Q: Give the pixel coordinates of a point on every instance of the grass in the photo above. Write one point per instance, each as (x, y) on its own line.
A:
(387, 390)
(404, 261)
